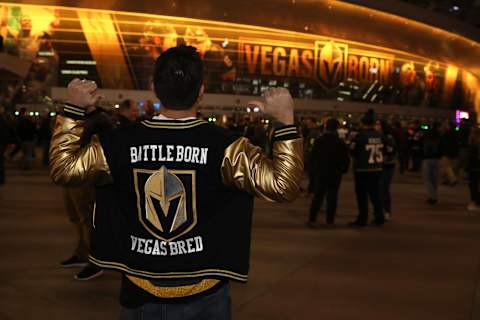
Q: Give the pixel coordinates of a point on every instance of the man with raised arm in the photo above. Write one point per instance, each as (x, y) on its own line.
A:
(175, 198)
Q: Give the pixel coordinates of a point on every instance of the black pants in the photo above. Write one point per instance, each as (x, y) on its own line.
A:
(473, 180)
(2, 165)
(385, 184)
(330, 187)
(367, 185)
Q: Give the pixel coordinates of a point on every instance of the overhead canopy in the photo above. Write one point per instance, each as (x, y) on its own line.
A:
(328, 18)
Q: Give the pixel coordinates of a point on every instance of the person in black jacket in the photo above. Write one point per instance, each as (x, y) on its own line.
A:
(178, 225)
(473, 168)
(4, 137)
(390, 151)
(26, 132)
(329, 161)
(449, 149)
(368, 153)
(127, 113)
(431, 162)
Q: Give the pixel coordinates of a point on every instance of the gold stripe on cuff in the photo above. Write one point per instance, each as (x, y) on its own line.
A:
(285, 133)
(286, 129)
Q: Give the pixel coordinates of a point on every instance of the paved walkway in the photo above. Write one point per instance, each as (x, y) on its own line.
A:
(423, 265)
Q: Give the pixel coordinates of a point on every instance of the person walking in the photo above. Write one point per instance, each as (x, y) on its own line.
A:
(178, 226)
(449, 150)
(26, 132)
(4, 140)
(389, 162)
(402, 147)
(329, 161)
(431, 162)
(368, 154)
(311, 133)
(473, 169)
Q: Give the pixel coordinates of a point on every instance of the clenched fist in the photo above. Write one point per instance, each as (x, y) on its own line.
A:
(83, 93)
(278, 103)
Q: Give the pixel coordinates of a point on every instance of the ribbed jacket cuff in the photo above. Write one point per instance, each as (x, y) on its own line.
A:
(285, 133)
(73, 111)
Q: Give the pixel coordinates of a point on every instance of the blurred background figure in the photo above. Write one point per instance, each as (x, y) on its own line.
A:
(328, 162)
(402, 146)
(390, 152)
(449, 150)
(255, 131)
(464, 135)
(4, 140)
(310, 133)
(127, 113)
(415, 143)
(26, 131)
(431, 162)
(473, 169)
(44, 136)
(149, 110)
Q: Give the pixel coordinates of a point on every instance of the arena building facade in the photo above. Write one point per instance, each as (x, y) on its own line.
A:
(324, 52)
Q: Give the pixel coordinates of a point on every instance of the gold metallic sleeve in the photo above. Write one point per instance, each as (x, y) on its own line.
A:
(72, 165)
(246, 167)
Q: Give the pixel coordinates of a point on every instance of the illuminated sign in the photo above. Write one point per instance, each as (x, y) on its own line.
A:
(327, 62)
(460, 115)
(270, 59)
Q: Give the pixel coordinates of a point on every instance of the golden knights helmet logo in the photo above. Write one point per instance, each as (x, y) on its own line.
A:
(166, 201)
(330, 61)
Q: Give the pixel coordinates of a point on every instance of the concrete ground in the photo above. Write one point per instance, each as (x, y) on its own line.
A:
(423, 265)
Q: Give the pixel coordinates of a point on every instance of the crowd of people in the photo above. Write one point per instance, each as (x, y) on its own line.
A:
(445, 153)
(374, 149)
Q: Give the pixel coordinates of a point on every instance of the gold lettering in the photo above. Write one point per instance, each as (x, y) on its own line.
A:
(352, 67)
(279, 64)
(265, 61)
(293, 64)
(307, 57)
(363, 69)
(385, 72)
(251, 57)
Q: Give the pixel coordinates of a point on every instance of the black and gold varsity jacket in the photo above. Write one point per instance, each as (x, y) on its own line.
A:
(179, 196)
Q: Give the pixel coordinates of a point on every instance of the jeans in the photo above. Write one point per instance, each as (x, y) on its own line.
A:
(216, 306)
(385, 184)
(329, 186)
(367, 185)
(431, 168)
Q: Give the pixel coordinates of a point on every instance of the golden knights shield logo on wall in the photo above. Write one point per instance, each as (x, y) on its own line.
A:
(330, 62)
(166, 201)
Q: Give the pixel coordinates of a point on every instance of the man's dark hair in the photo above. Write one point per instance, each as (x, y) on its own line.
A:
(178, 77)
(332, 125)
(369, 118)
